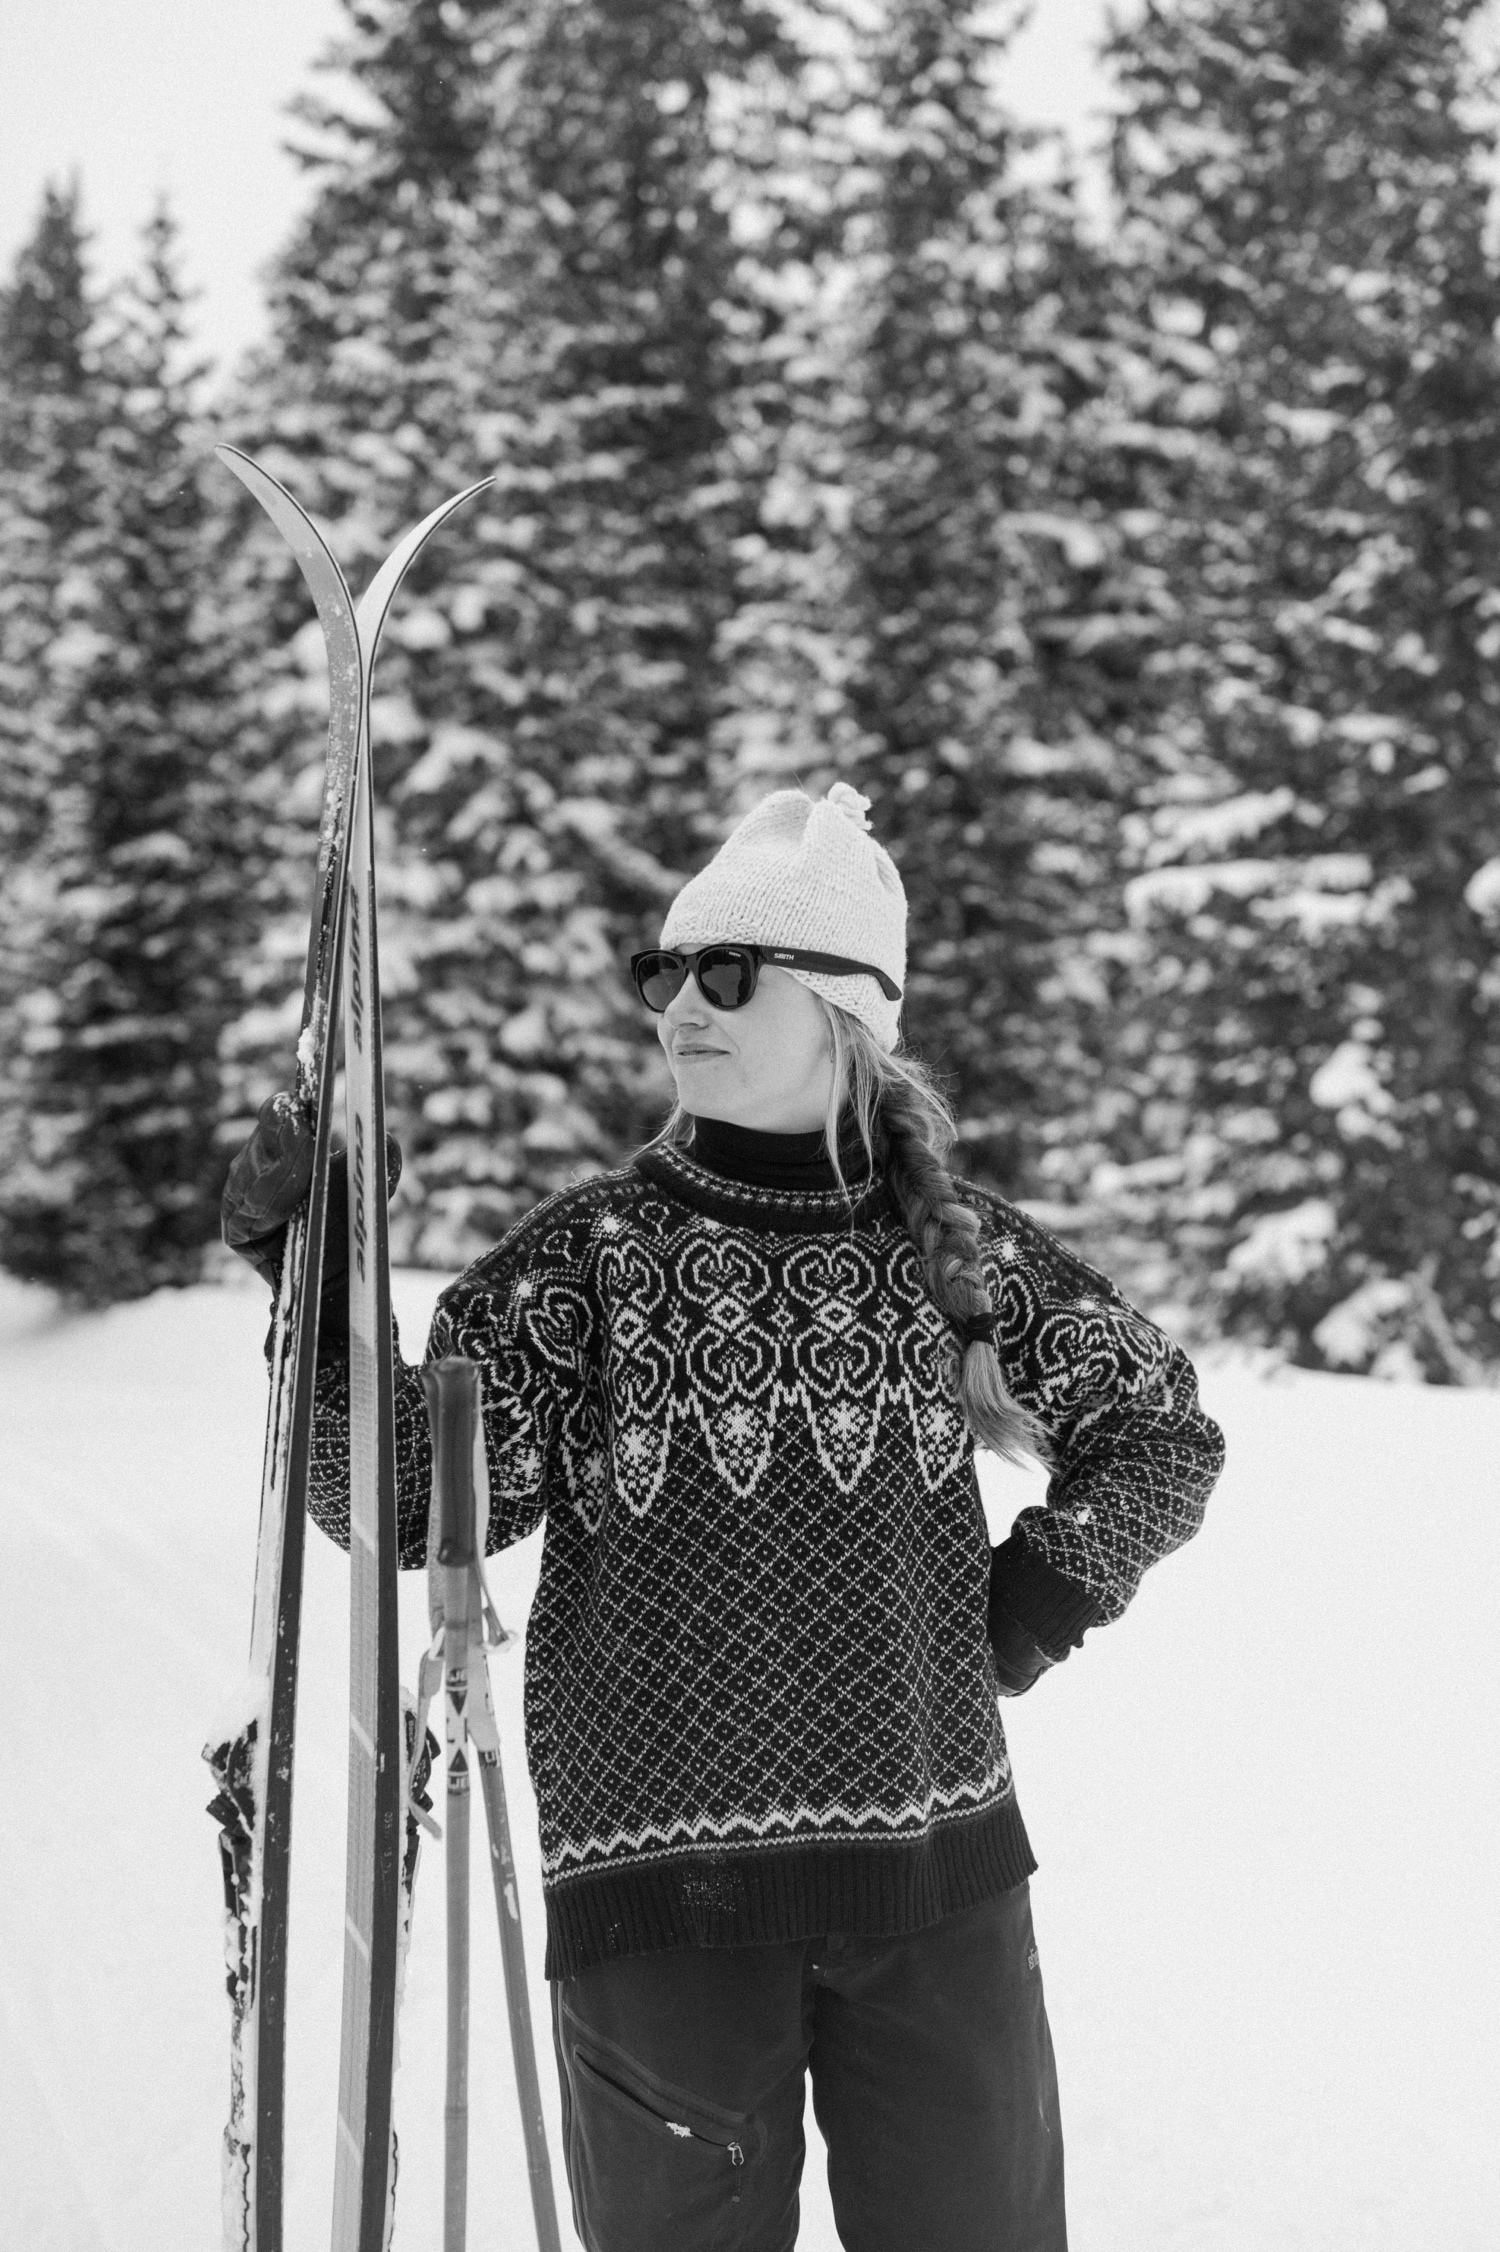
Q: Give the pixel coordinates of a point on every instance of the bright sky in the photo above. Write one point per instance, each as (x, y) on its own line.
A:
(138, 96)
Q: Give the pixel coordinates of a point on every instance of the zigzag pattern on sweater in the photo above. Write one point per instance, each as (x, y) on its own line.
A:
(832, 1824)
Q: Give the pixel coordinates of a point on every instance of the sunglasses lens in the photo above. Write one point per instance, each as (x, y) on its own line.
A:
(727, 975)
(658, 979)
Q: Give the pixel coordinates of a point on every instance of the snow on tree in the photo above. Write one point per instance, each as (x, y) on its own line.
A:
(49, 411)
(977, 614)
(1311, 410)
(354, 402)
(112, 1168)
(520, 259)
(47, 417)
(784, 372)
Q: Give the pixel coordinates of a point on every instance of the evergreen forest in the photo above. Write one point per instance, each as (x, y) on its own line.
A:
(1142, 569)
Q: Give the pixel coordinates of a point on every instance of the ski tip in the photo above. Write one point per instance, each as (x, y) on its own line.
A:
(248, 470)
(240, 464)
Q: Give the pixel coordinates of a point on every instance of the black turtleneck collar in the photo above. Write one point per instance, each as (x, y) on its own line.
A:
(773, 1161)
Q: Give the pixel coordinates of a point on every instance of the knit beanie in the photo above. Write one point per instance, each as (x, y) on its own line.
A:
(806, 873)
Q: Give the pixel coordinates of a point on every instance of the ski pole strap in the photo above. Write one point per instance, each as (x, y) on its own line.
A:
(452, 1388)
(429, 1684)
(496, 1636)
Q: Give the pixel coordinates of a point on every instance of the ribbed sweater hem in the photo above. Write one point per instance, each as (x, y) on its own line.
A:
(758, 1898)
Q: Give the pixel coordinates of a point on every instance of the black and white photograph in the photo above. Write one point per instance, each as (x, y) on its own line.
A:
(750, 1125)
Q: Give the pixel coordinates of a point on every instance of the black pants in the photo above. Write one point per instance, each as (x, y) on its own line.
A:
(933, 2085)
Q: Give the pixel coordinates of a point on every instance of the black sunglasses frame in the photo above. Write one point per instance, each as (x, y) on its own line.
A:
(781, 957)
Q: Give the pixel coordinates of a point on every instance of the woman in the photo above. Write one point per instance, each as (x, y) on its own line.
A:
(742, 1380)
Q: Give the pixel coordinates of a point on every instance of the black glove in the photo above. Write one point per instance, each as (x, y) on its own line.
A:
(269, 1180)
(266, 1183)
(1036, 1616)
(1020, 1661)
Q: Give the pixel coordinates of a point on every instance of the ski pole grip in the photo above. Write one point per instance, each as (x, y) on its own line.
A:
(452, 1388)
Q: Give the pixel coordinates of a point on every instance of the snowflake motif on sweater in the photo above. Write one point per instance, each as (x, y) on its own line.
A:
(759, 1689)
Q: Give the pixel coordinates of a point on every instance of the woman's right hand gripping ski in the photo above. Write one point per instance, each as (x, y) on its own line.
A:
(269, 1180)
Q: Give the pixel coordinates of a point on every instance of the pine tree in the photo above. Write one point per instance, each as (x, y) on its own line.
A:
(48, 417)
(1315, 1065)
(356, 401)
(113, 1174)
(519, 259)
(984, 621)
(639, 361)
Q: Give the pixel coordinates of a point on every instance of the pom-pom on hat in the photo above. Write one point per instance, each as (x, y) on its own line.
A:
(807, 873)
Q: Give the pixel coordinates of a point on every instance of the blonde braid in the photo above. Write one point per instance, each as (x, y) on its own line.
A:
(907, 1129)
(916, 1127)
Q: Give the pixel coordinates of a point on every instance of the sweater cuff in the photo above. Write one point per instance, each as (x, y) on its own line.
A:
(1053, 1609)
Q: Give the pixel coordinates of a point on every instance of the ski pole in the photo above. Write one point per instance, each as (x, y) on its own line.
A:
(456, 2100)
(465, 1619)
(450, 1547)
(513, 1955)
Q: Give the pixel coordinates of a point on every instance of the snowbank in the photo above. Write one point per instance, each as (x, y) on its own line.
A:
(1265, 1805)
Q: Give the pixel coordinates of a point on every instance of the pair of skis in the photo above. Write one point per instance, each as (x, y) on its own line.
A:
(253, 1765)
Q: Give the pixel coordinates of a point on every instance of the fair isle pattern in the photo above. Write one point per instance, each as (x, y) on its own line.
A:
(761, 1620)
(831, 1823)
(713, 1343)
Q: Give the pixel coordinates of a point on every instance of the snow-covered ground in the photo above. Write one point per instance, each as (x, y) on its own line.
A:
(1265, 1805)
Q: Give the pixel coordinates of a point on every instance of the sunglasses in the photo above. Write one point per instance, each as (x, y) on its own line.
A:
(726, 976)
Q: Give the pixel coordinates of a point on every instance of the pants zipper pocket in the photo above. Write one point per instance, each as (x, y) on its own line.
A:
(615, 2090)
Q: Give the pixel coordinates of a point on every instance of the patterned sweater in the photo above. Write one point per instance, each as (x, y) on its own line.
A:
(761, 1701)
